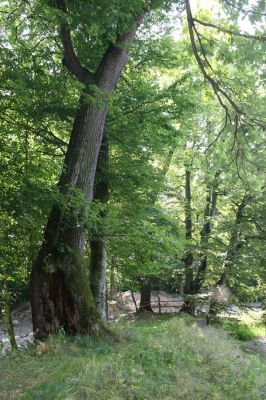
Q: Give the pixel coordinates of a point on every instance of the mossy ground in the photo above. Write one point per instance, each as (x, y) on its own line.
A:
(159, 358)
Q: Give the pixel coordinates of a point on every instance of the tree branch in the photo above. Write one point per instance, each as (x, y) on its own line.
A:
(71, 60)
(229, 31)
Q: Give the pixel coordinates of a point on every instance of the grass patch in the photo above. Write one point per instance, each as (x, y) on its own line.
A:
(156, 359)
(245, 331)
(250, 326)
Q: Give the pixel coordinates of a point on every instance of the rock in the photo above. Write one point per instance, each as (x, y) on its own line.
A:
(15, 322)
(30, 338)
(256, 304)
(233, 308)
(202, 310)
(5, 341)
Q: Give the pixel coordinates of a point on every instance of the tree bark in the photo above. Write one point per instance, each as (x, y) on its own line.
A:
(188, 258)
(60, 291)
(98, 262)
(145, 297)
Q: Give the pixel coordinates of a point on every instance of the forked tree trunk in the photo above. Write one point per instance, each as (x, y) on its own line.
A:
(98, 262)
(60, 290)
(61, 296)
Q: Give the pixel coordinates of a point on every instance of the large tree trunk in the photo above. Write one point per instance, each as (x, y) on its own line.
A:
(61, 296)
(97, 245)
(60, 290)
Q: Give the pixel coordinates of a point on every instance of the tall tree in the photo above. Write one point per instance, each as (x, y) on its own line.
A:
(60, 291)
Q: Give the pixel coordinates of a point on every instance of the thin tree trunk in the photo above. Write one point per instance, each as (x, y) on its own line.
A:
(112, 279)
(7, 315)
(233, 246)
(144, 288)
(210, 209)
(98, 262)
(188, 259)
(60, 290)
(195, 285)
(134, 300)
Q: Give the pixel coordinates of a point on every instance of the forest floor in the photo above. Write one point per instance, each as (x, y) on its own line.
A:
(246, 328)
(150, 358)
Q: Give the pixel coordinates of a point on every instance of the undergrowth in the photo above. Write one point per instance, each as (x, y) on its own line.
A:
(244, 331)
(159, 358)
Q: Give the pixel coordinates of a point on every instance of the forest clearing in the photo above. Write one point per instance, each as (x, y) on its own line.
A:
(132, 199)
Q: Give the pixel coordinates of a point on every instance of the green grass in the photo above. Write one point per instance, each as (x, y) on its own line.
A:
(154, 359)
(244, 331)
(250, 326)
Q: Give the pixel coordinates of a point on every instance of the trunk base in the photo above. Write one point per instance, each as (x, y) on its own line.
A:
(62, 300)
(188, 307)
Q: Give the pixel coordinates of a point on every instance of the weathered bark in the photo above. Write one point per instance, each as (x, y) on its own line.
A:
(60, 291)
(145, 297)
(7, 315)
(98, 262)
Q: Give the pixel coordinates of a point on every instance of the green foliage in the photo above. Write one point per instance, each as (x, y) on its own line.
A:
(162, 116)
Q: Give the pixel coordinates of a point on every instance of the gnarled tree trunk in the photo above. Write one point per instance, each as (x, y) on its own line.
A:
(61, 296)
